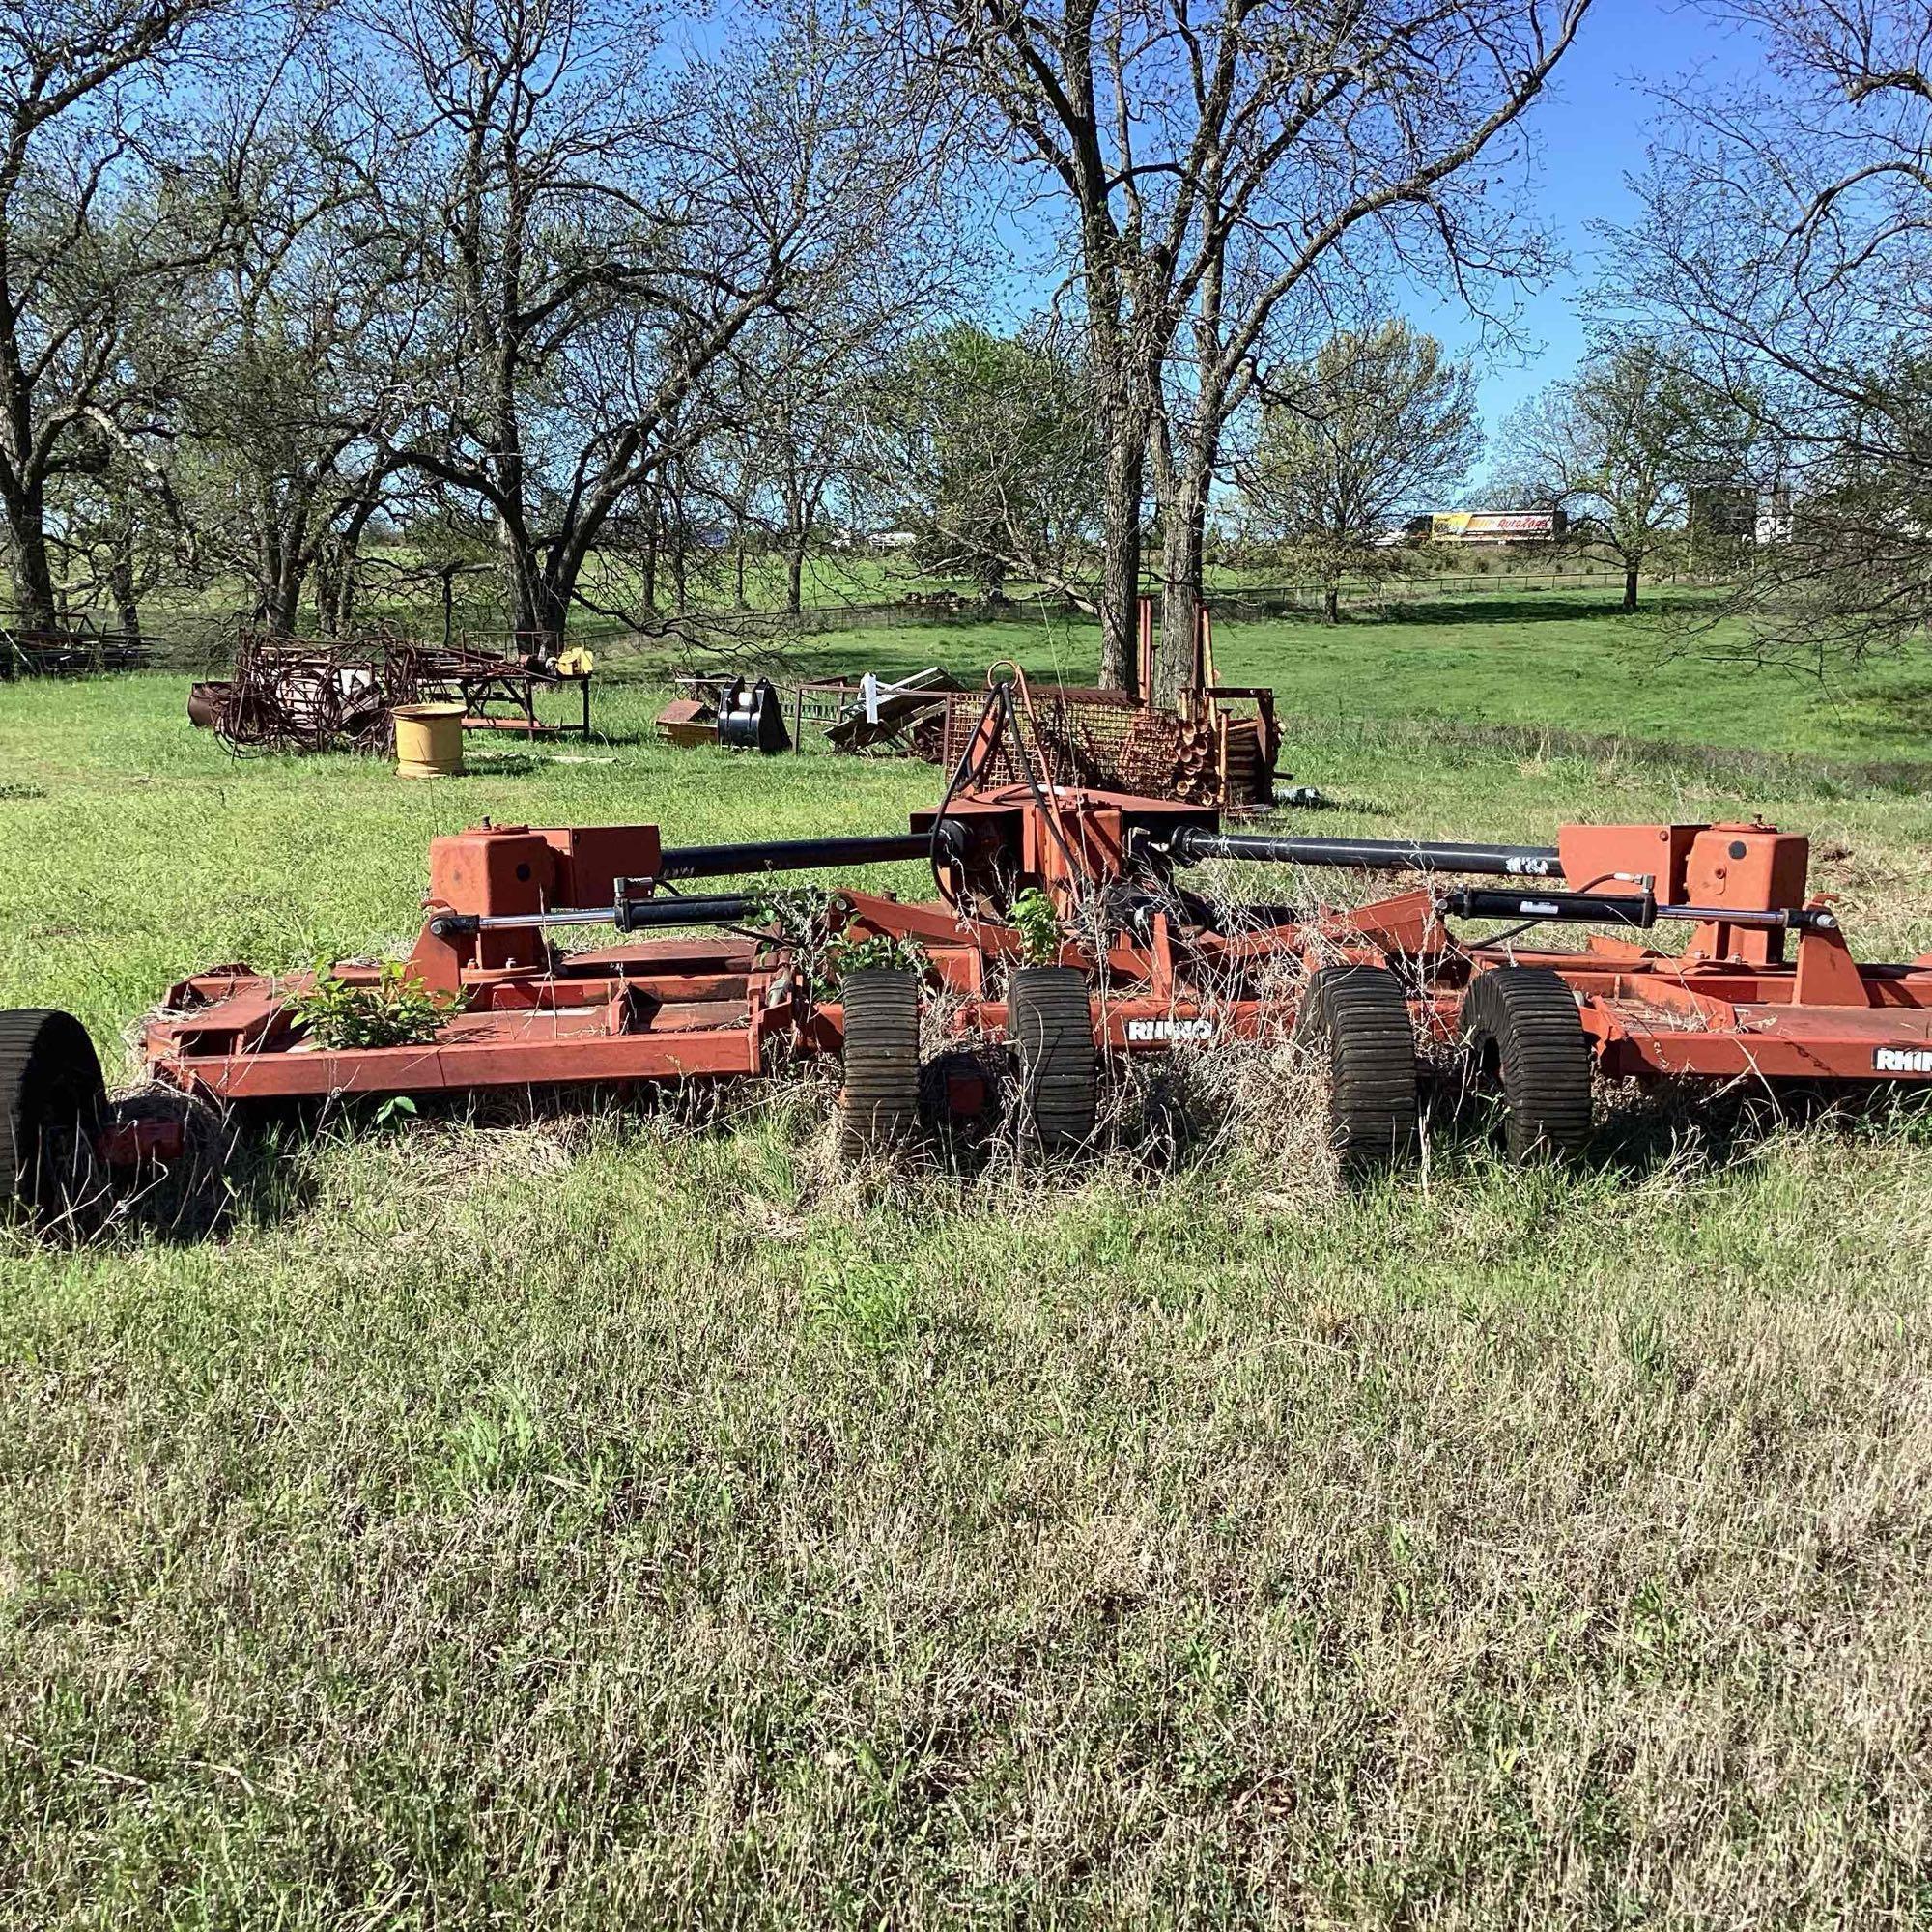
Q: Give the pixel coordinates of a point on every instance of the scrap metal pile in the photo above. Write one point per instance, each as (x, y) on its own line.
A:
(1216, 745)
(708, 981)
(872, 716)
(289, 694)
(1203, 754)
(298, 694)
(75, 650)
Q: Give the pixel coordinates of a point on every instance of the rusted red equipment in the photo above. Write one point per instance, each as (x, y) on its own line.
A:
(1216, 745)
(290, 695)
(715, 985)
(1218, 748)
(298, 694)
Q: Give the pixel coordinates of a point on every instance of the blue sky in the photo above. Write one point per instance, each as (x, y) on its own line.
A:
(1591, 130)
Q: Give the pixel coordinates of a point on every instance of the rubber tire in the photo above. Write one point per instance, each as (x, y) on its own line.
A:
(186, 1195)
(51, 1094)
(1050, 1028)
(1357, 1019)
(878, 1107)
(1521, 1032)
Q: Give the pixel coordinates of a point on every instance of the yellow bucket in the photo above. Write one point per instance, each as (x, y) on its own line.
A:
(429, 741)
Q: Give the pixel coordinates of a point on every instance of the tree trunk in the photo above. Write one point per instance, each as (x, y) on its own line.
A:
(33, 573)
(1121, 556)
(120, 583)
(538, 588)
(1629, 587)
(334, 584)
(519, 568)
(1331, 603)
(545, 604)
(794, 574)
(550, 611)
(1126, 416)
(279, 601)
(335, 557)
(1183, 542)
(327, 579)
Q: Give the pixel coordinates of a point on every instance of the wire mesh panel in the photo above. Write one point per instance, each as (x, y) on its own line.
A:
(1204, 755)
(287, 694)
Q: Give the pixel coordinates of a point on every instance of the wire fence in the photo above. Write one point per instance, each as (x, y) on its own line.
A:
(204, 641)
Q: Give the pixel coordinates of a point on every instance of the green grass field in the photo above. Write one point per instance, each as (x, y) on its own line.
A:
(1561, 659)
(622, 1518)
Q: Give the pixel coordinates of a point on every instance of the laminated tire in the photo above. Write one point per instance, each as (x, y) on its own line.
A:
(1050, 1028)
(52, 1105)
(878, 1107)
(1354, 1019)
(1523, 1042)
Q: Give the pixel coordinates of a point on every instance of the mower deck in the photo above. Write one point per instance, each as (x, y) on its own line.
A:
(664, 1010)
(1655, 1016)
(1158, 974)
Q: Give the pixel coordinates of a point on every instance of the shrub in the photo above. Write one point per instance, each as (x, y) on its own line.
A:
(397, 1011)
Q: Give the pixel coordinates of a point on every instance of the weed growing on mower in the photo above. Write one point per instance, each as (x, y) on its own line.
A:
(795, 918)
(1037, 923)
(396, 1009)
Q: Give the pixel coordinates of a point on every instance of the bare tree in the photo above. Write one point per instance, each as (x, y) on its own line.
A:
(810, 419)
(1786, 231)
(1211, 164)
(295, 353)
(95, 220)
(1620, 446)
(602, 236)
(1374, 424)
(110, 532)
(799, 386)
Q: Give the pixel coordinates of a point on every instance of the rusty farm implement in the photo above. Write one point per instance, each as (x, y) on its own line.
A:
(1064, 933)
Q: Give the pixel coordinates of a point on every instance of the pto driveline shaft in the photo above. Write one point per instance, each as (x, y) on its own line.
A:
(789, 855)
(1192, 844)
(1626, 909)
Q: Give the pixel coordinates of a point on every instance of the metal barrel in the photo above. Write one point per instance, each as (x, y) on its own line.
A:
(1191, 844)
(789, 855)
